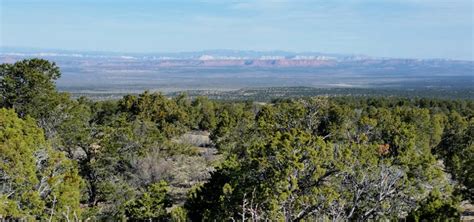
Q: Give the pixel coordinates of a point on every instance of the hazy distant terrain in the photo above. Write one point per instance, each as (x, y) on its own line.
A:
(104, 73)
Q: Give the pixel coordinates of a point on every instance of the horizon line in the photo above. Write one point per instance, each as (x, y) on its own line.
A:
(27, 49)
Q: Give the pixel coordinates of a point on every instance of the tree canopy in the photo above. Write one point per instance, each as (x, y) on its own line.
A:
(151, 157)
(36, 181)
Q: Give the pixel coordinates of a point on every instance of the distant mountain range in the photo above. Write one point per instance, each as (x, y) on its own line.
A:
(229, 69)
(224, 58)
(197, 55)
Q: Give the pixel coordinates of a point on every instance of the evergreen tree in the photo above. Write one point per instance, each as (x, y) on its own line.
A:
(36, 181)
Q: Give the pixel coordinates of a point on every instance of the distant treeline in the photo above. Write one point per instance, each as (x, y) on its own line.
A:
(274, 93)
(358, 156)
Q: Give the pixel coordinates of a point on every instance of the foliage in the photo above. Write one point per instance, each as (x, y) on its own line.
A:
(338, 158)
(37, 182)
(27, 86)
(437, 207)
(457, 151)
(151, 205)
(178, 214)
(374, 163)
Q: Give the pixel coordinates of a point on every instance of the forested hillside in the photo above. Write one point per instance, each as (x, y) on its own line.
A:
(156, 158)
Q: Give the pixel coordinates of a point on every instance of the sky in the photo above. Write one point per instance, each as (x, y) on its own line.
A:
(385, 28)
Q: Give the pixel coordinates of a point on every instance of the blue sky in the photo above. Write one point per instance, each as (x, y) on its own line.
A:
(389, 28)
